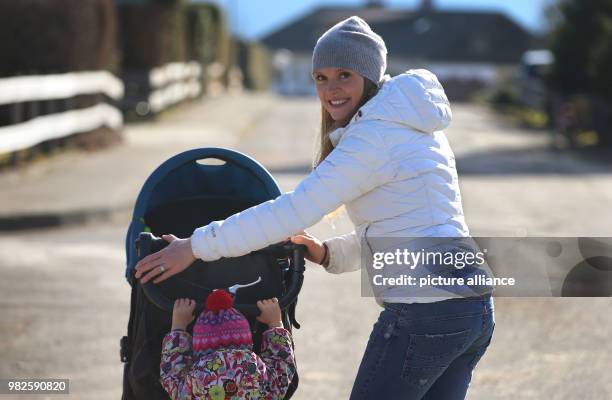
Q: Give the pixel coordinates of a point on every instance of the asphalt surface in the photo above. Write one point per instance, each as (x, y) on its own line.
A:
(65, 303)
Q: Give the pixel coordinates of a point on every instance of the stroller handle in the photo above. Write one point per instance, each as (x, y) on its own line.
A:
(147, 244)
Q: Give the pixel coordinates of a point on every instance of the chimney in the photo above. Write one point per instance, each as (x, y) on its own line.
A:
(427, 5)
(375, 4)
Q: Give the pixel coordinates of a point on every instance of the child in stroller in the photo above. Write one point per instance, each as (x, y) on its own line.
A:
(219, 363)
(190, 189)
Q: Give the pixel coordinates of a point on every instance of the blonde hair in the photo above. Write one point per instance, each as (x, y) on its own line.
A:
(328, 124)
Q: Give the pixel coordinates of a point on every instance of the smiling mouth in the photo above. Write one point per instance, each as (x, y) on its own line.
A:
(338, 103)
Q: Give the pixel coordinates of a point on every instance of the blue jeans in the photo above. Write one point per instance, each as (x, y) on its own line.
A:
(425, 350)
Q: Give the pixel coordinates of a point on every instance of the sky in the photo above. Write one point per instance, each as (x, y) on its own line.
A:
(254, 19)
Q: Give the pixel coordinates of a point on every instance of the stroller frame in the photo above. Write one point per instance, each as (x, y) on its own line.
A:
(281, 265)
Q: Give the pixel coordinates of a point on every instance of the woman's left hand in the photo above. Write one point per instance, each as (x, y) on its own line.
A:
(315, 251)
(169, 261)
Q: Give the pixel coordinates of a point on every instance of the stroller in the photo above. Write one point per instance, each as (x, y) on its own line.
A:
(190, 190)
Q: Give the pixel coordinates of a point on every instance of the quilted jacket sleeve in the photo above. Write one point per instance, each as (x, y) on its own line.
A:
(277, 356)
(359, 163)
(344, 253)
(176, 363)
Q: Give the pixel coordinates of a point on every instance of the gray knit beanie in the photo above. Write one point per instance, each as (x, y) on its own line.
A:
(352, 44)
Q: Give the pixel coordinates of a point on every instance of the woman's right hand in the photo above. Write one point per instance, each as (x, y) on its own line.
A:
(315, 251)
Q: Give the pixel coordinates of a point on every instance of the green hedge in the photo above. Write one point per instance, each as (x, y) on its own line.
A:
(152, 34)
(255, 60)
(581, 41)
(56, 36)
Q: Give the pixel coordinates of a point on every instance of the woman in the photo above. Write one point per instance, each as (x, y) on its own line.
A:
(384, 156)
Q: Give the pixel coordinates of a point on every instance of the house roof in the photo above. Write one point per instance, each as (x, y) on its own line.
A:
(441, 36)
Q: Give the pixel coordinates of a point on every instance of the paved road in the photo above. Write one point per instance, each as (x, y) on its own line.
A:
(65, 304)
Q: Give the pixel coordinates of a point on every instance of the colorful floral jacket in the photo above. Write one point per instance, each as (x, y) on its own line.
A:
(227, 374)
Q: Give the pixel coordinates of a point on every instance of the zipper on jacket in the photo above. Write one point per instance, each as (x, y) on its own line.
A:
(365, 236)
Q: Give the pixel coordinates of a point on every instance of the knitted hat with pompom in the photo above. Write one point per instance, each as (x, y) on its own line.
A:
(221, 326)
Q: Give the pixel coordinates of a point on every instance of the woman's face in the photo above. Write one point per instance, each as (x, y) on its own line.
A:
(340, 90)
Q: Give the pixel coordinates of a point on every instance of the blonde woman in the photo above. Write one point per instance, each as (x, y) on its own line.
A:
(384, 156)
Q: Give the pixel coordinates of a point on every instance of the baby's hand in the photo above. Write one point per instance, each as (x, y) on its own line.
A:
(270, 313)
(182, 315)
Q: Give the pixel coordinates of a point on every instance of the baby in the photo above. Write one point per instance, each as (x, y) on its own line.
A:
(221, 364)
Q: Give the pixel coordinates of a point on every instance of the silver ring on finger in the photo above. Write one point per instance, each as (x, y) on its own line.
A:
(162, 268)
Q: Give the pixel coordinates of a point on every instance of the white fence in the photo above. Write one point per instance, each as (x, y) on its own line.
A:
(174, 82)
(169, 84)
(38, 129)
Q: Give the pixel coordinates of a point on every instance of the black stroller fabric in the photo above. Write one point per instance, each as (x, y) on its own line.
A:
(180, 215)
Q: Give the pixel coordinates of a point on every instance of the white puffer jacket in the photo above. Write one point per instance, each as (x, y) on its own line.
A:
(391, 166)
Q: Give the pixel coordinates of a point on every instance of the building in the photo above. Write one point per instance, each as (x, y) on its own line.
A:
(468, 50)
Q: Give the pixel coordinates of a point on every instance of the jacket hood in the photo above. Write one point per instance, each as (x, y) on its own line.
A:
(415, 99)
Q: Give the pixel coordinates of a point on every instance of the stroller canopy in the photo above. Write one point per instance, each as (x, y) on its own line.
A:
(171, 199)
